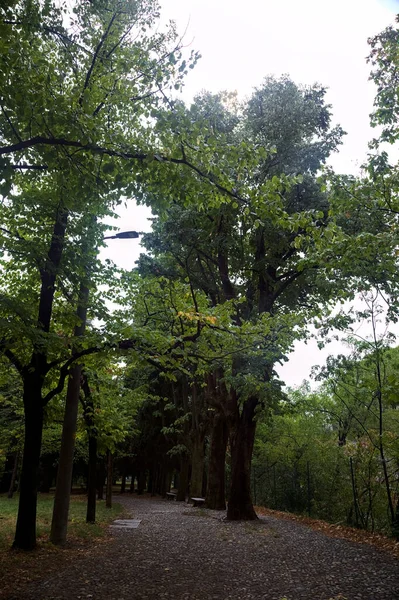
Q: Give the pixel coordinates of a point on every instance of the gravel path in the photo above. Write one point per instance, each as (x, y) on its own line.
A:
(183, 553)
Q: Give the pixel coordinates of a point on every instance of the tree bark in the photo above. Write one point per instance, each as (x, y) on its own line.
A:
(183, 479)
(25, 533)
(240, 507)
(33, 378)
(108, 496)
(92, 480)
(59, 523)
(131, 488)
(215, 492)
(197, 465)
(141, 481)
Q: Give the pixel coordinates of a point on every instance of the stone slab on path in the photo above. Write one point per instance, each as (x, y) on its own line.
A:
(125, 524)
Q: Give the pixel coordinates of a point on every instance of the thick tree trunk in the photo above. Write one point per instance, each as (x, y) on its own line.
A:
(240, 505)
(183, 479)
(141, 481)
(197, 467)
(108, 496)
(33, 376)
(215, 492)
(59, 524)
(14, 475)
(92, 480)
(25, 534)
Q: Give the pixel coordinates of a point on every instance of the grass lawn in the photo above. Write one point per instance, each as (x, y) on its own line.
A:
(77, 527)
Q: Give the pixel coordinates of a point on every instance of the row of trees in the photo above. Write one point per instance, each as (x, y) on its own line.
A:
(333, 453)
(249, 245)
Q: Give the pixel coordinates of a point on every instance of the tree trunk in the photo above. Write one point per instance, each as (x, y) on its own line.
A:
(215, 492)
(92, 480)
(33, 377)
(131, 488)
(59, 524)
(183, 479)
(141, 481)
(25, 533)
(240, 505)
(108, 497)
(14, 475)
(151, 481)
(197, 468)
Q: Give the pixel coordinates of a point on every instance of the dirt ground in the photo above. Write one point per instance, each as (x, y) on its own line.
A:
(184, 553)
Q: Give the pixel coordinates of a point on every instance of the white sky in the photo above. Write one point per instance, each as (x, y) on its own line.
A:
(312, 41)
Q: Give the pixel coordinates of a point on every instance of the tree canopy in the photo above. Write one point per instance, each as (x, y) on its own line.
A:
(254, 240)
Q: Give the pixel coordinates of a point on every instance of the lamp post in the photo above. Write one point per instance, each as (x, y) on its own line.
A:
(124, 235)
(59, 522)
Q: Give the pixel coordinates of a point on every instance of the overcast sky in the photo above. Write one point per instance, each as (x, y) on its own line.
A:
(312, 41)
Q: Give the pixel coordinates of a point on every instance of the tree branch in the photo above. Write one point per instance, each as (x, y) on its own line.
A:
(14, 360)
(51, 141)
(95, 56)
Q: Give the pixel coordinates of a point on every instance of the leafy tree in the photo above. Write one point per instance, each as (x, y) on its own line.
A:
(258, 251)
(90, 75)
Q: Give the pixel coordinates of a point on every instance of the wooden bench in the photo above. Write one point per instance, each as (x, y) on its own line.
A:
(198, 501)
(171, 495)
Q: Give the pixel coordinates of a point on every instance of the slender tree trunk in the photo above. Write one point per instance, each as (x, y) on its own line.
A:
(59, 524)
(92, 480)
(151, 480)
(167, 481)
(354, 492)
(240, 505)
(131, 488)
(183, 479)
(215, 493)
(108, 497)
(14, 475)
(25, 534)
(197, 468)
(141, 481)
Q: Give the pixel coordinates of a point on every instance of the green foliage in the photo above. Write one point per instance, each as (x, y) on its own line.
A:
(321, 453)
(384, 60)
(11, 412)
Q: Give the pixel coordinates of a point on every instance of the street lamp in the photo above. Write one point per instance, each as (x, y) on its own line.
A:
(124, 235)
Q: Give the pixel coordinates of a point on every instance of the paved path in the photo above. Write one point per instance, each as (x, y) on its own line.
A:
(182, 553)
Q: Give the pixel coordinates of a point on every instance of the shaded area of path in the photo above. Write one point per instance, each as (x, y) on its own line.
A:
(183, 553)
